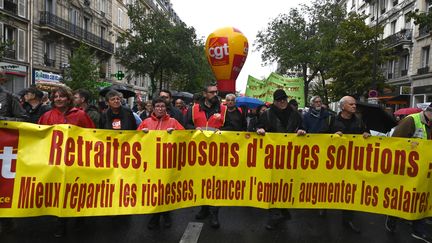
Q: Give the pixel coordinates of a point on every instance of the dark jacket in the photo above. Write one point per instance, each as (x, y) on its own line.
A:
(354, 125)
(175, 113)
(93, 112)
(313, 123)
(35, 113)
(234, 121)
(271, 120)
(10, 108)
(126, 117)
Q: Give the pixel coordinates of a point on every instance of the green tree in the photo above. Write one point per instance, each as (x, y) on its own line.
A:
(83, 70)
(422, 19)
(352, 60)
(166, 52)
(302, 39)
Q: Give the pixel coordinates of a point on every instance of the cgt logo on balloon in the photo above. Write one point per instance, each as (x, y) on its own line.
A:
(8, 157)
(226, 50)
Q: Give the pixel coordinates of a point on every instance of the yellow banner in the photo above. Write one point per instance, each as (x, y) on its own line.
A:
(69, 171)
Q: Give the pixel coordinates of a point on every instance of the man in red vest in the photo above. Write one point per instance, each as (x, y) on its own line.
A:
(207, 114)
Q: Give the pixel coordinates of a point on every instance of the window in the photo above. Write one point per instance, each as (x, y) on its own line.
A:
(391, 69)
(50, 6)
(49, 54)
(429, 6)
(383, 6)
(425, 56)
(372, 11)
(407, 21)
(102, 6)
(49, 50)
(21, 45)
(353, 3)
(86, 24)
(393, 27)
(9, 35)
(102, 32)
(74, 16)
(22, 8)
(119, 17)
(404, 64)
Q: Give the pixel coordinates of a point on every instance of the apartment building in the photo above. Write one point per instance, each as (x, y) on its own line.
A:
(59, 27)
(14, 27)
(409, 74)
(44, 33)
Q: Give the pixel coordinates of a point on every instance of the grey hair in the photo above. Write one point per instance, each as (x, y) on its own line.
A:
(314, 98)
(113, 93)
(230, 95)
(342, 101)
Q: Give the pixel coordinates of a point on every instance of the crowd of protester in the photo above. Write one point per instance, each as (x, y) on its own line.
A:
(207, 111)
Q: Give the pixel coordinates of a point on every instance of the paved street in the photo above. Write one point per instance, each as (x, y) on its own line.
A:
(238, 224)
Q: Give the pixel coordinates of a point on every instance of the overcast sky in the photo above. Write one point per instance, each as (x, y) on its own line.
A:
(246, 15)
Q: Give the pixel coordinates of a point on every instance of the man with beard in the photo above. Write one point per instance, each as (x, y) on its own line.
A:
(317, 119)
(207, 114)
(280, 118)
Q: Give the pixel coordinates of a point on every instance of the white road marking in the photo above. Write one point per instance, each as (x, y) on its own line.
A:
(192, 232)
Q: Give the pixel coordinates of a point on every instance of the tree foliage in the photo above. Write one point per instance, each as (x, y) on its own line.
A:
(422, 19)
(319, 39)
(302, 39)
(164, 51)
(83, 70)
(358, 49)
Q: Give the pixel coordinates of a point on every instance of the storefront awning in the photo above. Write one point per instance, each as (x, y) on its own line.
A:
(399, 100)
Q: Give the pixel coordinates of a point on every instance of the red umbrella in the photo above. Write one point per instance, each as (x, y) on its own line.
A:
(407, 111)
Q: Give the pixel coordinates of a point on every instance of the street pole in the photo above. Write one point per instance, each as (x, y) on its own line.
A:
(374, 68)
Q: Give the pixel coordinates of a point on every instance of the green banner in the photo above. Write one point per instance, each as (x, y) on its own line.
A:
(263, 89)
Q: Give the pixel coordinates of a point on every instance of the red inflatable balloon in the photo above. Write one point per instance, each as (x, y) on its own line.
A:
(226, 50)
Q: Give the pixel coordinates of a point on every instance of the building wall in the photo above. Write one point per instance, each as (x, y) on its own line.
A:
(14, 26)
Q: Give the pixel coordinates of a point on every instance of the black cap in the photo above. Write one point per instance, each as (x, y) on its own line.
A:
(293, 102)
(279, 94)
(39, 94)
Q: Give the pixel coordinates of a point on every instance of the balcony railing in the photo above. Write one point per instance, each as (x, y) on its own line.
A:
(404, 73)
(402, 37)
(423, 70)
(10, 53)
(66, 27)
(10, 6)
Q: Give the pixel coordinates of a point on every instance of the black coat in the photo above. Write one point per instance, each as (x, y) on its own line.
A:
(270, 121)
(354, 125)
(126, 117)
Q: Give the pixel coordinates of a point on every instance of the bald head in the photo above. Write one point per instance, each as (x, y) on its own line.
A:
(348, 105)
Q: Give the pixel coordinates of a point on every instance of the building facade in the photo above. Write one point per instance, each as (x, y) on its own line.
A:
(43, 35)
(59, 27)
(409, 73)
(15, 28)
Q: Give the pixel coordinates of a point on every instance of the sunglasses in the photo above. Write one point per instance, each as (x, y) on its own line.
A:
(212, 92)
